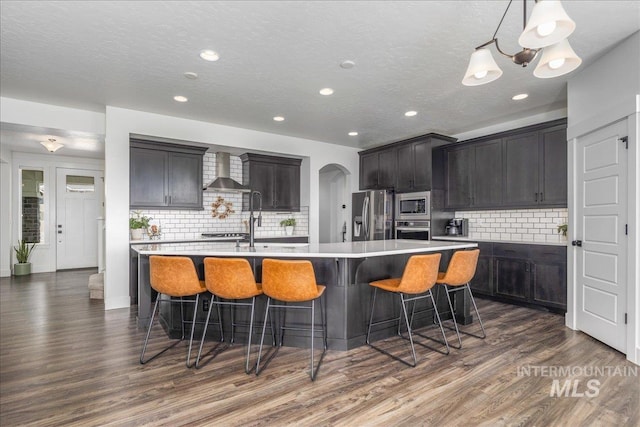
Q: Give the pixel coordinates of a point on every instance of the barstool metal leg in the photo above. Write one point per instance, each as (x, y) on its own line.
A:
(473, 300)
(193, 328)
(253, 305)
(435, 309)
(453, 317)
(373, 304)
(406, 318)
(264, 328)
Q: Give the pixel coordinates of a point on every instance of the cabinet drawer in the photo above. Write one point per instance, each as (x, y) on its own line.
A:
(549, 253)
(510, 250)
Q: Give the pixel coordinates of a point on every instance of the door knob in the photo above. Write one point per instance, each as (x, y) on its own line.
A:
(577, 243)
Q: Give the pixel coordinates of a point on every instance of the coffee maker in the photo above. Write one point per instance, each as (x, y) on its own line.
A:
(457, 227)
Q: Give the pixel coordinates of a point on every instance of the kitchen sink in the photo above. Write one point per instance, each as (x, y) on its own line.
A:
(275, 245)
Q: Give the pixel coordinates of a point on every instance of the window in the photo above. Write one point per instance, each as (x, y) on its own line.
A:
(80, 184)
(33, 224)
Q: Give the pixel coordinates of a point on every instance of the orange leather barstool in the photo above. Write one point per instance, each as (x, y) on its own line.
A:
(230, 279)
(292, 281)
(175, 277)
(460, 271)
(418, 278)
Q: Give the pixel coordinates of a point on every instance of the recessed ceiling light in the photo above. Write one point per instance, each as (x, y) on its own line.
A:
(180, 98)
(191, 75)
(410, 113)
(209, 55)
(326, 91)
(347, 64)
(353, 133)
(278, 118)
(520, 96)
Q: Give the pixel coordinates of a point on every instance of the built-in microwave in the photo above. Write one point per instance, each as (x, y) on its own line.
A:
(413, 206)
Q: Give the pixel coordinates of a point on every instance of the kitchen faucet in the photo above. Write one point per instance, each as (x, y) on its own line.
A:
(252, 219)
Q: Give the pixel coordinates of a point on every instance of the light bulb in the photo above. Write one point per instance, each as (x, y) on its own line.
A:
(546, 28)
(554, 64)
(480, 74)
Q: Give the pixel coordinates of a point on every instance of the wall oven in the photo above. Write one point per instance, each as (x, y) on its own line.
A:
(413, 206)
(413, 230)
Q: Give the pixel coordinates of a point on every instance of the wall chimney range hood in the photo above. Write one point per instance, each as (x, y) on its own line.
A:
(223, 183)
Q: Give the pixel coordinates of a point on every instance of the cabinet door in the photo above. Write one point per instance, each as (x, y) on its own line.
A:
(387, 169)
(405, 169)
(262, 180)
(512, 278)
(549, 287)
(458, 162)
(487, 175)
(185, 181)
(148, 184)
(521, 165)
(286, 183)
(369, 171)
(482, 282)
(422, 166)
(553, 174)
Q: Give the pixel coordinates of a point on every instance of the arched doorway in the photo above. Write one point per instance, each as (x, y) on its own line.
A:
(334, 200)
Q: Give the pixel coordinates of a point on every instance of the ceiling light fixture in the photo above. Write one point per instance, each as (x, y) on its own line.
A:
(209, 55)
(354, 133)
(520, 96)
(278, 119)
(547, 31)
(191, 75)
(410, 113)
(52, 145)
(180, 98)
(326, 91)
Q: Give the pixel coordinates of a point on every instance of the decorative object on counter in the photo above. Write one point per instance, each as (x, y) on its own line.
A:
(221, 208)
(138, 225)
(23, 252)
(547, 31)
(154, 230)
(562, 228)
(288, 225)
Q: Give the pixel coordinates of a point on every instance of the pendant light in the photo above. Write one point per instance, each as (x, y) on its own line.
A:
(548, 25)
(482, 68)
(557, 60)
(52, 145)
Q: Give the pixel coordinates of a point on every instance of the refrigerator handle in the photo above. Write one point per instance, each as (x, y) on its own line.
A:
(365, 217)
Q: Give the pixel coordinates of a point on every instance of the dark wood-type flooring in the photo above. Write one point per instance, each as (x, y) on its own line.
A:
(64, 361)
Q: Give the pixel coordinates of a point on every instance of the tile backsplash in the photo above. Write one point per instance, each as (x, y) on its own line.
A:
(189, 224)
(529, 225)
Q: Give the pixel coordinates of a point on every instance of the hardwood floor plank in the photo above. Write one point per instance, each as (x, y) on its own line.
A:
(65, 361)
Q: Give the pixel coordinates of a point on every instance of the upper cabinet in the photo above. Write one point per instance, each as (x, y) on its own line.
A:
(165, 176)
(276, 178)
(521, 168)
(404, 166)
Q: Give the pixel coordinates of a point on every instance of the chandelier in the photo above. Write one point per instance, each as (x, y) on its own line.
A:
(546, 32)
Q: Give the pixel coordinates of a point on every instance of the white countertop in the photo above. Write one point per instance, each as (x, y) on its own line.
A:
(209, 239)
(302, 250)
(518, 242)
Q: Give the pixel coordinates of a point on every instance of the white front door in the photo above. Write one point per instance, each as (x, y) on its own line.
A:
(79, 204)
(601, 243)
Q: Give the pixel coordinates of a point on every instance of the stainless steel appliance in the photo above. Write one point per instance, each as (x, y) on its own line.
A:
(413, 206)
(372, 213)
(457, 227)
(413, 230)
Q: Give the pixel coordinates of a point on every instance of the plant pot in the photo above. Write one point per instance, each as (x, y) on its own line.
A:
(22, 269)
(136, 233)
(288, 230)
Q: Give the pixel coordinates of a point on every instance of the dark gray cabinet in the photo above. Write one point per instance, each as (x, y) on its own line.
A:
(482, 281)
(549, 268)
(165, 176)
(404, 166)
(511, 266)
(276, 178)
(521, 168)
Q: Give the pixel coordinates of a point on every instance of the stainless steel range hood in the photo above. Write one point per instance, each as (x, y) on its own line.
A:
(223, 183)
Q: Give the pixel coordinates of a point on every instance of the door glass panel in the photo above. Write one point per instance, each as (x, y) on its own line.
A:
(33, 224)
(80, 184)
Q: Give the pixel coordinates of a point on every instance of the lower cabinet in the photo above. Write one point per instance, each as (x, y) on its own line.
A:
(530, 274)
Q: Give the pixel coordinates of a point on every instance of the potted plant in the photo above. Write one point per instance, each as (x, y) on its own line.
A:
(138, 225)
(562, 228)
(23, 252)
(288, 225)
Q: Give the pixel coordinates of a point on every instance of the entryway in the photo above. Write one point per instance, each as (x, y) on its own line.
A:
(333, 194)
(79, 196)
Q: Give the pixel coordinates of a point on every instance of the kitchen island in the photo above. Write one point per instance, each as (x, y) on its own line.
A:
(344, 268)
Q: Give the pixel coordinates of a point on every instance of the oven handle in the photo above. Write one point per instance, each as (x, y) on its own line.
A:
(413, 228)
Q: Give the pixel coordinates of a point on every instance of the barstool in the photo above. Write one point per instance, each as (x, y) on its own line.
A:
(292, 281)
(175, 277)
(418, 278)
(231, 279)
(460, 271)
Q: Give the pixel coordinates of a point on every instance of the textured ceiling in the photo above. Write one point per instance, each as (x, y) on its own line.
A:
(276, 55)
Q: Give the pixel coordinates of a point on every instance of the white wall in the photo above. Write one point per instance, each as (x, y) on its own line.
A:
(121, 122)
(5, 212)
(606, 91)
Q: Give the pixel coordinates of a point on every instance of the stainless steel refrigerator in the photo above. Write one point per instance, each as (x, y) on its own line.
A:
(372, 215)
